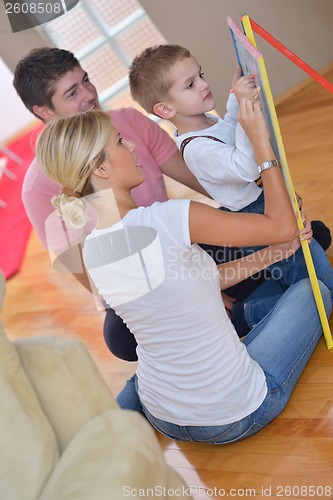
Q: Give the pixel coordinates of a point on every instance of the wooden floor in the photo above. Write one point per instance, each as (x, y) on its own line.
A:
(293, 456)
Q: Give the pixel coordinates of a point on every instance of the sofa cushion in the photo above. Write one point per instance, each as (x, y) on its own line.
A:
(113, 456)
(69, 386)
(28, 447)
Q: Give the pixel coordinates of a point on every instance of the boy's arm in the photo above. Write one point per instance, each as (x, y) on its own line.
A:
(232, 103)
(217, 163)
(232, 110)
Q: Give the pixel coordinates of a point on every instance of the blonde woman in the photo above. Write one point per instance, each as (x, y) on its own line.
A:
(195, 380)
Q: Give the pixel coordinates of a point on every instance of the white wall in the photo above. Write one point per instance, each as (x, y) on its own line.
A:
(304, 26)
(14, 115)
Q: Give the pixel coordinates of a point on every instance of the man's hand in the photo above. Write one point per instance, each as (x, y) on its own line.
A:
(286, 250)
(229, 303)
(306, 233)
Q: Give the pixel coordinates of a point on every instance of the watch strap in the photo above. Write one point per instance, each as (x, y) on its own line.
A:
(268, 164)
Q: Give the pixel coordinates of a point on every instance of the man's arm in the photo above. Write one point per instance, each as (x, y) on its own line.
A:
(177, 169)
(235, 271)
(71, 261)
(64, 263)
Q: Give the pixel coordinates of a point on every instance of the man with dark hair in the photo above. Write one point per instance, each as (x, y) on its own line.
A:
(36, 75)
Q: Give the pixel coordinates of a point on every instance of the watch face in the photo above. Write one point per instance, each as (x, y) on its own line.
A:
(268, 164)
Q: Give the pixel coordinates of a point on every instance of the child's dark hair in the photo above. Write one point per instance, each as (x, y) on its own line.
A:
(149, 74)
(36, 74)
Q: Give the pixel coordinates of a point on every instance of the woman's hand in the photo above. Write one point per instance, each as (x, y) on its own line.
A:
(251, 117)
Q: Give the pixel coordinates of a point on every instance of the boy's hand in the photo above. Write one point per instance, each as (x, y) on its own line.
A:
(244, 86)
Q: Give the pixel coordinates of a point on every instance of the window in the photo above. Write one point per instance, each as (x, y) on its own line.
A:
(105, 35)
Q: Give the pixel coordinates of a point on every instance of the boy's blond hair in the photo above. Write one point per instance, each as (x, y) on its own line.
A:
(149, 74)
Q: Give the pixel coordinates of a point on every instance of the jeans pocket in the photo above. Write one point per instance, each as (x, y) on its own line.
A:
(237, 432)
(172, 431)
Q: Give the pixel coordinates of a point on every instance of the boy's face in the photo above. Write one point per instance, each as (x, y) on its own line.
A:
(73, 93)
(190, 94)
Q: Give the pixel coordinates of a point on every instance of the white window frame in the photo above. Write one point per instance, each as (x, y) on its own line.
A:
(108, 37)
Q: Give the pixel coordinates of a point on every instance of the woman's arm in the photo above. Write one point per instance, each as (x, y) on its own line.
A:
(238, 270)
(276, 225)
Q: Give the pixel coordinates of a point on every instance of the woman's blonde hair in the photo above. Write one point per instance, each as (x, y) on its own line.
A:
(68, 150)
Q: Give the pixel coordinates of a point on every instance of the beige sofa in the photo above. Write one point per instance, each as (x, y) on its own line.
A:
(62, 436)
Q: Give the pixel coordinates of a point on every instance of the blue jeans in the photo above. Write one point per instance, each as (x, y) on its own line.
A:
(282, 344)
(282, 274)
(261, 301)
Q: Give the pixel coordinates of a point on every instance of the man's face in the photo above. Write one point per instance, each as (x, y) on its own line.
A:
(73, 93)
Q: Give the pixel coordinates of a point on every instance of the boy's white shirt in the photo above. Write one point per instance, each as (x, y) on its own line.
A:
(226, 171)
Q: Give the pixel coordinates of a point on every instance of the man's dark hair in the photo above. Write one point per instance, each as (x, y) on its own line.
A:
(36, 74)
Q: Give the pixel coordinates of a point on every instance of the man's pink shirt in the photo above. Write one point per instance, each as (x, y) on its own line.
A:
(154, 148)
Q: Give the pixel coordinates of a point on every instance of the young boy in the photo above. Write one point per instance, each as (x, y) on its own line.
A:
(168, 81)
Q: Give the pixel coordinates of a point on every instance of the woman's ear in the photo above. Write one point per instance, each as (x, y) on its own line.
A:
(164, 111)
(102, 171)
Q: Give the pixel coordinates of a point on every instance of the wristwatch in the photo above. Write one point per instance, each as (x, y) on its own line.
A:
(268, 164)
